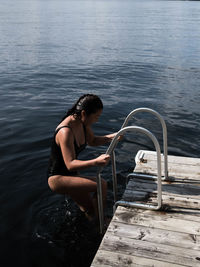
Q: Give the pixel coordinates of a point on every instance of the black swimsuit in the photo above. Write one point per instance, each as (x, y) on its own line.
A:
(56, 163)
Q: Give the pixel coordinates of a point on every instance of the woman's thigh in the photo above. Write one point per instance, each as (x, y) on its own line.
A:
(71, 184)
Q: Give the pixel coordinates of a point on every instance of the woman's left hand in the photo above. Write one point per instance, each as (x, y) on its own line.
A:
(119, 137)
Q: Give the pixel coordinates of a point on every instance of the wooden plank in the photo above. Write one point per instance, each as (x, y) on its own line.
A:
(186, 190)
(184, 214)
(135, 195)
(164, 253)
(151, 155)
(111, 258)
(186, 172)
(171, 200)
(176, 201)
(190, 167)
(161, 220)
(154, 235)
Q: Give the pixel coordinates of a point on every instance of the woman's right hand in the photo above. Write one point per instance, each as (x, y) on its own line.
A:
(102, 160)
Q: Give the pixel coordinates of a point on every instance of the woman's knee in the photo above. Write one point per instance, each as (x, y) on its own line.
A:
(55, 185)
(51, 184)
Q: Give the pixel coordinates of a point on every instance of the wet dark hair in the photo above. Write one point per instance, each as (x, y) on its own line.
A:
(89, 103)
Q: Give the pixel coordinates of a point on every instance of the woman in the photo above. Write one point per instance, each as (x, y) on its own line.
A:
(70, 138)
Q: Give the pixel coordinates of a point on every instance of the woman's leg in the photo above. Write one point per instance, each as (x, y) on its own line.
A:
(81, 189)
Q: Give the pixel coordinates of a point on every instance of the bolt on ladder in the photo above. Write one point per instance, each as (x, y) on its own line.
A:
(111, 152)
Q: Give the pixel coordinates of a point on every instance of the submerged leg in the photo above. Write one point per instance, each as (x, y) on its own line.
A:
(83, 190)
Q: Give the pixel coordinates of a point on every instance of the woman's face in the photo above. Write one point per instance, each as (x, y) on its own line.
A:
(92, 118)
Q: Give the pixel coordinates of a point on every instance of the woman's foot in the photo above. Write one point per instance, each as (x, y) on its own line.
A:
(89, 215)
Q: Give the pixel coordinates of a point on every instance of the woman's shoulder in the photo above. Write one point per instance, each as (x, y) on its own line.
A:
(63, 134)
(66, 123)
(64, 127)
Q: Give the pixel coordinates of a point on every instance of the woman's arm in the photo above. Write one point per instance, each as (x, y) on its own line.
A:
(65, 140)
(98, 140)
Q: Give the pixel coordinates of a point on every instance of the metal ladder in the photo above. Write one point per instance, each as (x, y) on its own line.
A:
(110, 151)
(164, 129)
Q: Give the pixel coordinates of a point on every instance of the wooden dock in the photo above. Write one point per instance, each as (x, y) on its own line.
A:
(170, 237)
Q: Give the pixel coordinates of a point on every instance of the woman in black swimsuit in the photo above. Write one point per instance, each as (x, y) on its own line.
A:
(70, 138)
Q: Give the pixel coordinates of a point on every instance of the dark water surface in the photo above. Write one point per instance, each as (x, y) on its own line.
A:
(132, 54)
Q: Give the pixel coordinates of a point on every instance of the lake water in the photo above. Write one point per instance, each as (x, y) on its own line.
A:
(132, 54)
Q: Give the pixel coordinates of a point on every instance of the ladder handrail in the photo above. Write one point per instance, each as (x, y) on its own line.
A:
(110, 151)
(164, 128)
